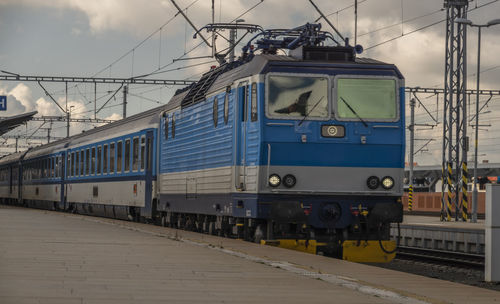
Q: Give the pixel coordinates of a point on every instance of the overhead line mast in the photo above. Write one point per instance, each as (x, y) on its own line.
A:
(454, 186)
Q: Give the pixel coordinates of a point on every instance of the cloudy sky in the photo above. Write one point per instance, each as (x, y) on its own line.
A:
(124, 38)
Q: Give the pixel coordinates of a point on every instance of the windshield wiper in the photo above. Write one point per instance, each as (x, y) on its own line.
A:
(352, 110)
(305, 116)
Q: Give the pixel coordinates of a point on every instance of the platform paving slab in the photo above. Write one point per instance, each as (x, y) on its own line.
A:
(49, 257)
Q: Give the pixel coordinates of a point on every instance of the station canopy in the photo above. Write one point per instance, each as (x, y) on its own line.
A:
(11, 122)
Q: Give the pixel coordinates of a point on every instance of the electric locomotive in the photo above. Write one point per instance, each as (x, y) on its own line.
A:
(304, 145)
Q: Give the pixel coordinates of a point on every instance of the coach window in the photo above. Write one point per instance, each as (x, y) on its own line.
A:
(76, 161)
(143, 151)
(73, 163)
(87, 161)
(127, 155)
(53, 167)
(56, 167)
(216, 111)
(119, 156)
(99, 159)
(105, 160)
(82, 162)
(68, 164)
(150, 153)
(253, 103)
(112, 158)
(135, 154)
(77, 164)
(173, 125)
(92, 162)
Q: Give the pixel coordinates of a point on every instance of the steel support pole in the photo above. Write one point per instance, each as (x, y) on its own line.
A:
(95, 100)
(412, 145)
(355, 22)
(67, 111)
(474, 190)
(125, 91)
(232, 41)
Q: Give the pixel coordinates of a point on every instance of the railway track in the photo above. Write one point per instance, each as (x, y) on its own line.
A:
(448, 258)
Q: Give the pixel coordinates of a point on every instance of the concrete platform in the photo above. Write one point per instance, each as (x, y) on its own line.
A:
(435, 221)
(431, 233)
(50, 257)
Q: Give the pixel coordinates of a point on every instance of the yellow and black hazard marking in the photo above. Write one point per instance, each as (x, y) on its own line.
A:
(410, 197)
(465, 181)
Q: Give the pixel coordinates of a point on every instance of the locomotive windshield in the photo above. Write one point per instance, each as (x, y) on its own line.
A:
(366, 99)
(297, 97)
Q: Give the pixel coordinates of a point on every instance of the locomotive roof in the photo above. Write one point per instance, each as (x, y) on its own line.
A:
(254, 66)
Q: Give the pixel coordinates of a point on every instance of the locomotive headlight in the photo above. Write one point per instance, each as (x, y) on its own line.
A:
(289, 180)
(387, 182)
(373, 182)
(274, 180)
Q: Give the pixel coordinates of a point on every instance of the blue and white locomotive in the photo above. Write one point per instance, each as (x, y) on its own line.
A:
(305, 145)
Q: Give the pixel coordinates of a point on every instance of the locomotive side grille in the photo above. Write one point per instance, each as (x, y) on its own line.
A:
(198, 91)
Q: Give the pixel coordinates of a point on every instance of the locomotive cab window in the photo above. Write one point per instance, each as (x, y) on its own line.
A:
(297, 96)
(367, 99)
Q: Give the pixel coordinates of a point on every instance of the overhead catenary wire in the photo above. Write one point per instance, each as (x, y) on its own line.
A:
(425, 27)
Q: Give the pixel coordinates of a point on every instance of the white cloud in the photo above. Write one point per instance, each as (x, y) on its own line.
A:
(114, 116)
(23, 93)
(47, 107)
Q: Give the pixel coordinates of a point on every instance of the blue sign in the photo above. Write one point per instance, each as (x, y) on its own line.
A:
(3, 103)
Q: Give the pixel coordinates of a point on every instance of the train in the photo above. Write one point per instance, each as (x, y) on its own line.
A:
(308, 145)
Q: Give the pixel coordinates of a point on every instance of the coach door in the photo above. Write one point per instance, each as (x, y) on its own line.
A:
(61, 170)
(147, 145)
(242, 118)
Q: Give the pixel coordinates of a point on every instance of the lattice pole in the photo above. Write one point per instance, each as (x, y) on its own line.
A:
(455, 112)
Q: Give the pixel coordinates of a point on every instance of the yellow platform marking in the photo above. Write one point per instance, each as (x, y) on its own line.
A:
(299, 245)
(368, 251)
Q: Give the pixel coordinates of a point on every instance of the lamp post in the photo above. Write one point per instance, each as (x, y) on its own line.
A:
(479, 26)
(68, 116)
